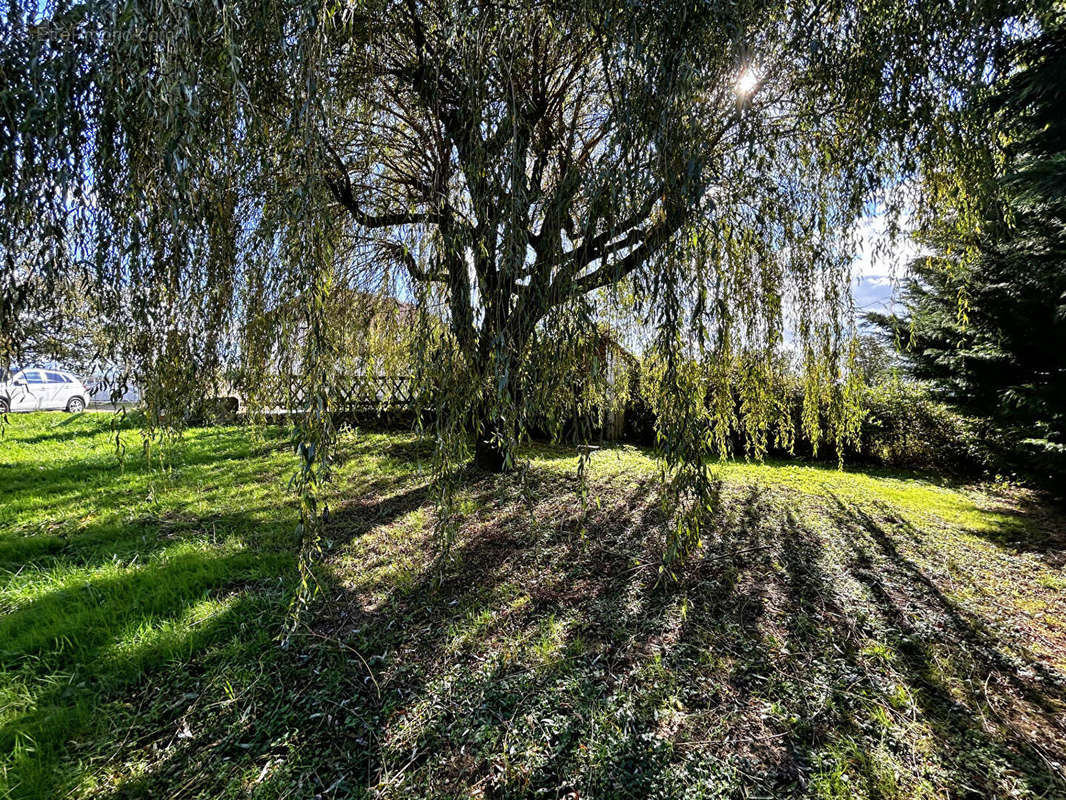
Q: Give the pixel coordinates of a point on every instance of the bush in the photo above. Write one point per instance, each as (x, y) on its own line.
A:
(905, 427)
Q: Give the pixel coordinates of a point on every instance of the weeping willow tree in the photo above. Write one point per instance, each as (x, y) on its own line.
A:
(517, 172)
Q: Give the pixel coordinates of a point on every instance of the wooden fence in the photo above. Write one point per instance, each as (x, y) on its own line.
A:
(363, 395)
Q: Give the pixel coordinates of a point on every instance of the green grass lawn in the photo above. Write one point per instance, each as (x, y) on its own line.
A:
(841, 634)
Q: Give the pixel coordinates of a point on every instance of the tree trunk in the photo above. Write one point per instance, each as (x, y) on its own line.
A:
(490, 449)
(489, 456)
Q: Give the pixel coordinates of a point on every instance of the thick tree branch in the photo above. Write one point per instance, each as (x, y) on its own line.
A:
(403, 254)
(657, 236)
(341, 188)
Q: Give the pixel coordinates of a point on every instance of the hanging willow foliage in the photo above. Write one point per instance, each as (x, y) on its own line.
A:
(217, 174)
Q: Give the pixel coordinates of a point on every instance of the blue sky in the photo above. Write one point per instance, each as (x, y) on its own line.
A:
(880, 264)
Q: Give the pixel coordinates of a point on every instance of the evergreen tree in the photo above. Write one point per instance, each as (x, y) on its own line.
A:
(985, 318)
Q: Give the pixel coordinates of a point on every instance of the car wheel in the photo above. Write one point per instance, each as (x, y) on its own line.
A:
(76, 405)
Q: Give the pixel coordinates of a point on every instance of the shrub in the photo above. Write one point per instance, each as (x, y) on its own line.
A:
(904, 426)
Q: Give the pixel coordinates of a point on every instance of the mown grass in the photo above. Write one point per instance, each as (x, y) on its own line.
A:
(841, 634)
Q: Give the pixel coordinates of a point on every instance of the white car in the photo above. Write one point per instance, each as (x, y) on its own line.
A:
(41, 390)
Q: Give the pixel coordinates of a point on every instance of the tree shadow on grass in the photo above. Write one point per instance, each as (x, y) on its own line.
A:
(77, 649)
(65, 427)
(43, 496)
(73, 651)
(1027, 522)
(1019, 698)
(374, 663)
(92, 605)
(800, 654)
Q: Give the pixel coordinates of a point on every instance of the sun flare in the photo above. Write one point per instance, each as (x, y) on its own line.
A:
(747, 81)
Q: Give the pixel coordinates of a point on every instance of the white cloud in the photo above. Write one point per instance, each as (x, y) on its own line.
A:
(881, 261)
(878, 254)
